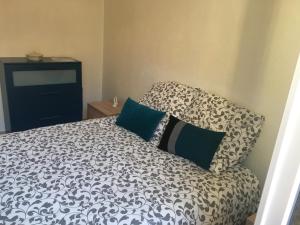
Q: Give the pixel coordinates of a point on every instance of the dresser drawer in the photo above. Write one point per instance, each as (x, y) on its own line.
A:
(25, 123)
(27, 120)
(38, 107)
(51, 120)
(46, 103)
(49, 94)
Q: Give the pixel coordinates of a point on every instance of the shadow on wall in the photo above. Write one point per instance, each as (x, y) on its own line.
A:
(249, 67)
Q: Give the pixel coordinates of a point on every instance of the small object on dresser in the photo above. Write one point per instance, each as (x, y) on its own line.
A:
(251, 219)
(115, 103)
(101, 109)
(35, 56)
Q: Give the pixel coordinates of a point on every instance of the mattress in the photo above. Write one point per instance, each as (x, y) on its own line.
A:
(94, 172)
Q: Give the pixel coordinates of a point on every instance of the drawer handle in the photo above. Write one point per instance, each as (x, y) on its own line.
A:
(50, 93)
(49, 118)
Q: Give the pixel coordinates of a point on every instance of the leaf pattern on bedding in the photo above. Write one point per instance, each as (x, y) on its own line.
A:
(94, 172)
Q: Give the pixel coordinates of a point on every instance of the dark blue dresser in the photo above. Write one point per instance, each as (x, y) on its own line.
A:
(36, 94)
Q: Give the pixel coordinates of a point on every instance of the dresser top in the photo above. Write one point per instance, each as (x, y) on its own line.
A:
(44, 60)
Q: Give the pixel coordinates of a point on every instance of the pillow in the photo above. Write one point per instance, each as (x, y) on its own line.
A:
(242, 132)
(170, 97)
(159, 130)
(208, 111)
(139, 119)
(190, 142)
(242, 127)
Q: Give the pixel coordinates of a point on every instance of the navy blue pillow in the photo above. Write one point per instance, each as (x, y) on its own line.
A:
(190, 142)
(139, 119)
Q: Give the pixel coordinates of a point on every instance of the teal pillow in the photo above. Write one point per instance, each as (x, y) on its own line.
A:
(139, 119)
(190, 142)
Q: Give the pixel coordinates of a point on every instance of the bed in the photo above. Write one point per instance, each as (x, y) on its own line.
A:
(95, 172)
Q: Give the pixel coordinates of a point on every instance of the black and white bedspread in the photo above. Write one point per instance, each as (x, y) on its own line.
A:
(94, 172)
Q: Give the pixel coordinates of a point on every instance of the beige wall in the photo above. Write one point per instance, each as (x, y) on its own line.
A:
(56, 28)
(244, 50)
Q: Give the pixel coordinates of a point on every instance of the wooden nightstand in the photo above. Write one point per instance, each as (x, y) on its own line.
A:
(101, 109)
(251, 219)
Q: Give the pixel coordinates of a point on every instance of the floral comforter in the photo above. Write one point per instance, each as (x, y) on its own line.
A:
(94, 172)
